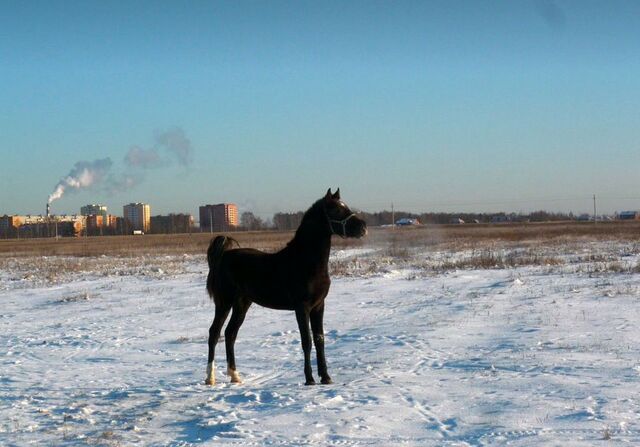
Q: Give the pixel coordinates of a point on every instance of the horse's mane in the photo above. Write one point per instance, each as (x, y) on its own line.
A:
(313, 213)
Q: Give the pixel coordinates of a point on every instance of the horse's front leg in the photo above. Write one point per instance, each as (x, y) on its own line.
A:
(302, 315)
(317, 316)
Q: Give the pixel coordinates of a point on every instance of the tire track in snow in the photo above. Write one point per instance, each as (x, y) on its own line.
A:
(590, 435)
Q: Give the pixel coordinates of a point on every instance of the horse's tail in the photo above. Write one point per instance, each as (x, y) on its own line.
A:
(214, 255)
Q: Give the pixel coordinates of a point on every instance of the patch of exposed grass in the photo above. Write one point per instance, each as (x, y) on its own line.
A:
(31, 271)
(84, 296)
(559, 233)
(607, 248)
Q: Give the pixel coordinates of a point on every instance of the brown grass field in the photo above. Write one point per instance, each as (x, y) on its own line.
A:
(452, 236)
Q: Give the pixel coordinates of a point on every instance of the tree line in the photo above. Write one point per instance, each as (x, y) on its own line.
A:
(290, 221)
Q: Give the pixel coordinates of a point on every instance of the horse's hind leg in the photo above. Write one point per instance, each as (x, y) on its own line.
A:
(230, 334)
(214, 335)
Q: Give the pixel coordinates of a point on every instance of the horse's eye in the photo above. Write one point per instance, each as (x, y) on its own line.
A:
(339, 210)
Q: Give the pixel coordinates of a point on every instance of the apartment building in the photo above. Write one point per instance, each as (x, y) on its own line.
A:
(94, 210)
(137, 217)
(173, 223)
(220, 217)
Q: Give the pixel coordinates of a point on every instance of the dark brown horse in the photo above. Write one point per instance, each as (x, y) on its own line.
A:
(295, 278)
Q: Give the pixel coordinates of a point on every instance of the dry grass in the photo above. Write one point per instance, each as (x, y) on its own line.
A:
(571, 247)
(564, 247)
(470, 235)
(28, 271)
(490, 259)
(458, 236)
(195, 243)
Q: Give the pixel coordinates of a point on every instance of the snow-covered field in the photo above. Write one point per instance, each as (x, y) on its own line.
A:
(425, 349)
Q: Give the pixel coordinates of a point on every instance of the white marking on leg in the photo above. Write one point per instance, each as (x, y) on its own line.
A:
(211, 374)
(235, 377)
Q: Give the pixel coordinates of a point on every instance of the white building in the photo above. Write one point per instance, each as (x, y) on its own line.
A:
(138, 216)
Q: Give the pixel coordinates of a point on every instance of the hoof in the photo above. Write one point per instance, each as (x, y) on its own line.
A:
(235, 377)
(211, 378)
(326, 381)
(310, 382)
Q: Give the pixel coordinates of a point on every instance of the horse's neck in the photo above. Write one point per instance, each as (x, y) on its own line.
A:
(311, 245)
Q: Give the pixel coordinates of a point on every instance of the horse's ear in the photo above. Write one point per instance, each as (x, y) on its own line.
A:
(337, 194)
(329, 195)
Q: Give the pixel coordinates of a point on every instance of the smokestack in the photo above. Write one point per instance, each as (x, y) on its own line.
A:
(83, 175)
(48, 209)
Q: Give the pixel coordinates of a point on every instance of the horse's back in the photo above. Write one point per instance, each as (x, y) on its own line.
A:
(257, 276)
(274, 280)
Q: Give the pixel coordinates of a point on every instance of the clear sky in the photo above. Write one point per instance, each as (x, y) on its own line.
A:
(432, 105)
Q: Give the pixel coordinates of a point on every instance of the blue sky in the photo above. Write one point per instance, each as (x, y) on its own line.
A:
(434, 106)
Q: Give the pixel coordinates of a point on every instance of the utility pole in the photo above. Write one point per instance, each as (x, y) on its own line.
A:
(595, 215)
(393, 217)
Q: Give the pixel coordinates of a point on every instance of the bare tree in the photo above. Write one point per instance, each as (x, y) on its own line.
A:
(251, 222)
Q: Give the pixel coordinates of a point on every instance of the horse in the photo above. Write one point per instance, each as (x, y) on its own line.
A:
(295, 278)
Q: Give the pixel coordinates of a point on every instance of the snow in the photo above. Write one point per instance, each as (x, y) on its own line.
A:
(113, 352)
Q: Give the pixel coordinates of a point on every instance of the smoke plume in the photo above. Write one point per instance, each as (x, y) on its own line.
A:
(552, 14)
(83, 175)
(170, 147)
(175, 141)
(138, 157)
(123, 181)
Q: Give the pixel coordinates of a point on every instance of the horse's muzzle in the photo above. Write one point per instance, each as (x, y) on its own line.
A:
(363, 229)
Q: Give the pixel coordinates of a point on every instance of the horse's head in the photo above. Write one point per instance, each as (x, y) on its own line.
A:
(342, 221)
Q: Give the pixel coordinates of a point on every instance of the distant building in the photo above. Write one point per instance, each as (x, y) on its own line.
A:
(9, 225)
(95, 221)
(111, 223)
(500, 218)
(94, 210)
(121, 226)
(173, 223)
(41, 226)
(51, 229)
(95, 224)
(99, 225)
(31, 219)
(220, 217)
(137, 217)
(629, 215)
(46, 226)
(74, 223)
